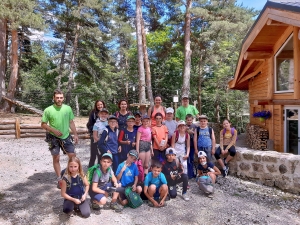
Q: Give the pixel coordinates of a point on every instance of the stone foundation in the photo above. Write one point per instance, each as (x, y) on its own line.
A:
(270, 168)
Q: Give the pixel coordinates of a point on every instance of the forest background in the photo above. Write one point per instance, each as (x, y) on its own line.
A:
(123, 49)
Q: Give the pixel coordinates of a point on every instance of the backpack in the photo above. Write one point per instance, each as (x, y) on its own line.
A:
(232, 132)
(91, 171)
(177, 136)
(106, 138)
(134, 199)
(140, 167)
(69, 184)
(209, 130)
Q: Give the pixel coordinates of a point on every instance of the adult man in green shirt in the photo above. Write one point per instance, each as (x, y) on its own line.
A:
(60, 118)
(185, 109)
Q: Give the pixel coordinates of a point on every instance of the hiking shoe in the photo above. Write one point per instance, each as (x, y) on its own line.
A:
(95, 206)
(224, 161)
(150, 204)
(225, 174)
(185, 197)
(115, 206)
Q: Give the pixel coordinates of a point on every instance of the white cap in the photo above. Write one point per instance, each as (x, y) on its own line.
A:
(180, 122)
(201, 153)
(169, 110)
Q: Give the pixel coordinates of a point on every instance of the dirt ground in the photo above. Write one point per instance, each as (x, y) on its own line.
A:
(28, 194)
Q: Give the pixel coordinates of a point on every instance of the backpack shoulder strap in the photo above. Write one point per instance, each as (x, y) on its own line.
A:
(67, 181)
(232, 131)
(117, 114)
(224, 131)
(210, 131)
(176, 135)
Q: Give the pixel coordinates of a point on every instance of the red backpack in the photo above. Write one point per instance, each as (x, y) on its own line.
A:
(177, 136)
(140, 167)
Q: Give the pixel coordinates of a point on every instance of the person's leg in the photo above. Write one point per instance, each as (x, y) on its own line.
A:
(151, 190)
(190, 163)
(184, 179)
(85, 209)
(142, 157)
(218, 158)
(232, 153)
(68, 206)
(56, 164)
(139, 189)
(156, 155)
(213, 178)
(163, 191)
(184, 164)
(172, 191)
(115, 162)
(147, 161)
(93, 152)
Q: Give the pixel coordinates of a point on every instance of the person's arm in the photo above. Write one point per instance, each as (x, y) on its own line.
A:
(213, 142)
(164, 181)
(195, 141)
(221, 140)
(151, 199)
(46, 127)
(217, 171)
(86, 190)
(233, 139)
(73, 129)
(114, 180)
(138, 138)
(173, 140)
(187, 147)
(65, 195)
(120, 171)
(154, 135)
(95, 136)
(96, 189)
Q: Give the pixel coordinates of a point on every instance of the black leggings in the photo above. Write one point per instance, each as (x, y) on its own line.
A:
(83, 207)
(172, 185)
(94, 153)
(231, 151)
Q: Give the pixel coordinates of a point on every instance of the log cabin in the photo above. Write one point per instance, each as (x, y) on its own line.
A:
(269, 69)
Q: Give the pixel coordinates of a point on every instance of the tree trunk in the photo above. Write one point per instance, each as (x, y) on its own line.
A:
(200, 86)
(187, 50)
(2, 57)
(147, 64)
(14, 69)
(62, 62)
(142, 93)
(217, 112)
(72, 65)
(77, 106)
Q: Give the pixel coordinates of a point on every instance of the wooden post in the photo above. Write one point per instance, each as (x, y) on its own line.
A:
(18, 130)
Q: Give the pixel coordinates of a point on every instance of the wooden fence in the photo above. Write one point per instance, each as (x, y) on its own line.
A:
(13, 128)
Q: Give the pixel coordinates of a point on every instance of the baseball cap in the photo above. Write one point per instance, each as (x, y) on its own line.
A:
(201, 153)
(134, 153)
(107, 155)
(130, 117)
(203, 117)
(169, 110)
(112, 117)
(103, 110)
(170, 151)
(145, 117)
(138, 114)
(184, 96)
(180, 122)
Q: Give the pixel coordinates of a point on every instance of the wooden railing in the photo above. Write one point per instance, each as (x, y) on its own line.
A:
(13, 128)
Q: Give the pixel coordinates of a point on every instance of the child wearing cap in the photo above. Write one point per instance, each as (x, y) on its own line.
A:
(127, 139)
(155, 186)
(206, 174)
(170, 123)
(101, 182)
(172, 169)
(127, 173)
(181, 144)
(108, 142)
(144, 143)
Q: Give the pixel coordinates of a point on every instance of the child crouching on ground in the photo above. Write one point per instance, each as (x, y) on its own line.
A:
(127, 173)
(102, 181)
(74, 188)
(207, 174)
(172, 169)
(155, 186)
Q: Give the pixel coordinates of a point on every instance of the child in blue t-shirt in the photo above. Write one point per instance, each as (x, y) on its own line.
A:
(127, 173)
(155, 186)
(207, 174)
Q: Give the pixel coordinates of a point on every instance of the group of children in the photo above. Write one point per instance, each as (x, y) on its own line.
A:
(169, 147)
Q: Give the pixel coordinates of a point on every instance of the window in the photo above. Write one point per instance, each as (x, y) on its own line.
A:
(284, 67)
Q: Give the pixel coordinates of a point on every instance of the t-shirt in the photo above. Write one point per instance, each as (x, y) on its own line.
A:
(128, 174)
(76, 186)
(180, 145)
(104, 177)
(122, 119)
(126, 135)
(182, 111)
(59, 118)
(169, 167)
(160, 134)
(204, 139)
(157, 181)
(191, 128)
(145, 133)
(171, 125)
(205, 170)
(100, 125)
(161, 110)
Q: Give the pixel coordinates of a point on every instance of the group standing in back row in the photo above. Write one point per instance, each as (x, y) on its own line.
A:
(151, 134)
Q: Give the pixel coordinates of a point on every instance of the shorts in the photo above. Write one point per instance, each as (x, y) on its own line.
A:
(98, 196)
(145, 146)
(55, 144)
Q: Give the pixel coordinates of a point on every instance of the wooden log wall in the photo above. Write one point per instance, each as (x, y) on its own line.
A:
(257, 137)
(12, 128)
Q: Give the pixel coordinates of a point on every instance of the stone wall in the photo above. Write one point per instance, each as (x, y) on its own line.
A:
(270, 168)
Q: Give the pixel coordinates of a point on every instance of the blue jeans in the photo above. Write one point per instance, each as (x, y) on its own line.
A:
(115, 163)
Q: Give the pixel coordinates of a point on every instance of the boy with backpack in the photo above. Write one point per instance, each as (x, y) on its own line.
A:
(102, 179)
(204, 139)
(127, 173)
(108, 142)
(172, 169)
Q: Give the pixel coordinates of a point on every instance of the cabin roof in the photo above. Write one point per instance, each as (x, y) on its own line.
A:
(276, 18)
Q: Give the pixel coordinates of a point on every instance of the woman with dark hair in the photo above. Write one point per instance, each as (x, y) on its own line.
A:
(99, 104)
(122, 114)
(157, 108)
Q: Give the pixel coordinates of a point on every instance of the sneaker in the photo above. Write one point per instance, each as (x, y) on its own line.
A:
(185, 197)
(115, 206)
(210, 195)
(150, 204)
(224, 161)
(225, 174)
(95, 206)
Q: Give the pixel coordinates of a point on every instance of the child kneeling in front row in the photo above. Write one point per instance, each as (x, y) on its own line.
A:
(155, 186)
(127, 173)
(74, 188)
(207, 174)
(102, 181)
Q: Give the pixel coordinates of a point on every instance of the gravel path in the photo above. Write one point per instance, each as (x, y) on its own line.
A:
(28, 195)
